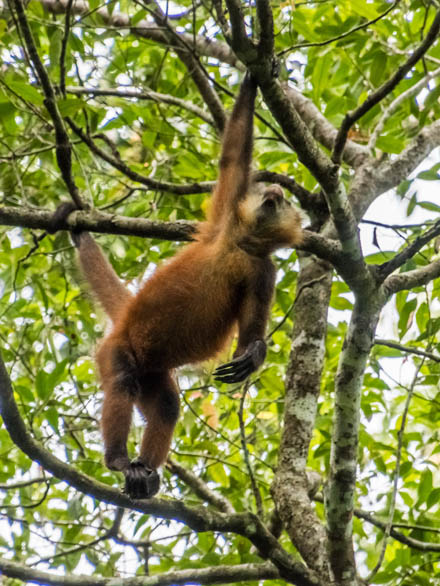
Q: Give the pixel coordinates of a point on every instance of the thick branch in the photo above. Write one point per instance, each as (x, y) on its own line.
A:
(384, 90)
(181, 230)
(95, 221)
(265, 21)
(295, 130)
(214, 575)
(197, 518)
(238, 39)
(303, 381)
(339, 494)
(411, 279)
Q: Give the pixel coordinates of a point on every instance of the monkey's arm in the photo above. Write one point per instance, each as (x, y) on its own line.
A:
(236, 155)
(254, 314)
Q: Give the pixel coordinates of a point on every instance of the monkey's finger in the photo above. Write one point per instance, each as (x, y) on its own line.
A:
(235, 377)
(236, 374)
(233, 374)
(233, 364)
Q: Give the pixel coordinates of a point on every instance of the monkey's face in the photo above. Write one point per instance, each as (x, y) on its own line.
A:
(269, 220)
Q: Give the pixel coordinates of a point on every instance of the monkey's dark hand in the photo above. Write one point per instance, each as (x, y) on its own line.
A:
(241, 367)
(141, 482)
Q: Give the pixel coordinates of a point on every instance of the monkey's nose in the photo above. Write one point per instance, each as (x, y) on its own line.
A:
(274, 193)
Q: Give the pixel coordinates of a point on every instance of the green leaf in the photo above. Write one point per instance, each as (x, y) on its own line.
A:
(26, 91)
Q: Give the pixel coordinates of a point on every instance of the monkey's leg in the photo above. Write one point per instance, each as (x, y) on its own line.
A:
(140, 481)
(121, 385)
(117, 409)
(160, 407)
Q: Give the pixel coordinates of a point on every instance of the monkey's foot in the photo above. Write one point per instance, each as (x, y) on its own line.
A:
(240, 368)
(141, 482)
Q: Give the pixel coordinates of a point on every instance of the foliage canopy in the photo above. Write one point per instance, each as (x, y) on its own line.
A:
(140, 90)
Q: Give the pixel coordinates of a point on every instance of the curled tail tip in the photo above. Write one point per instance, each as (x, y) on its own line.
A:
(59, 218)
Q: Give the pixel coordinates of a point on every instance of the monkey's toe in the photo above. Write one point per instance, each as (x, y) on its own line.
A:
(141, 482)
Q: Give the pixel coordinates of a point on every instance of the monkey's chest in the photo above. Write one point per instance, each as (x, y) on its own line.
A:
(184, 319)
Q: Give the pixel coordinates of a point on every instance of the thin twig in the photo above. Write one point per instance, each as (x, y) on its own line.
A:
(400, 435)
(407, 349)
(255, 489)
(64, 48)
(409, 251)
(409, 93)
(145, 94)
(64, 147)
(341, 36)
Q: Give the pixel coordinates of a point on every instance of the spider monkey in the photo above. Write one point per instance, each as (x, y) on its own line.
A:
(186, 311)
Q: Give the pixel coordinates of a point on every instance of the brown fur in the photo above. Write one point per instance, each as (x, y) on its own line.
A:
(186, 311)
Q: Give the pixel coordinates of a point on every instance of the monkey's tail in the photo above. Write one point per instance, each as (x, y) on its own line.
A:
(104, 282)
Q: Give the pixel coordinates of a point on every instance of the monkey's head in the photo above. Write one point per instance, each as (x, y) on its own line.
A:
(268, 221)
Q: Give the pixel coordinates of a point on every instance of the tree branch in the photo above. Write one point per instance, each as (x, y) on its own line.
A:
(408, 252)
(397, 535)
(64, 48)
(290, 488)
(63, 146)
(339, 493)
(373, 178)
(186, 53)
(181, 230)
(407, 349)
(201, 489)
(265, 20)
(119, 164)
(322, 130)
(411, 279)
(145, 29)
(392, 505)
(409, 93)
(145, 94)
(341, 36)
(212, 575)
(95, 221)
(384, 89)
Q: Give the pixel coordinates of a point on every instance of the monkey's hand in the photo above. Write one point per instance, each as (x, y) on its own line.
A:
(241, 367)
(141, 482)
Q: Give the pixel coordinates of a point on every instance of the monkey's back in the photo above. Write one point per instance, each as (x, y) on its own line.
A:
(186, 310)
